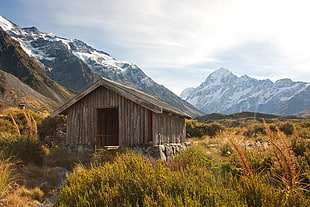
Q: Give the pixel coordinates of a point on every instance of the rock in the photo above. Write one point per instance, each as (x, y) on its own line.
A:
(156, 152)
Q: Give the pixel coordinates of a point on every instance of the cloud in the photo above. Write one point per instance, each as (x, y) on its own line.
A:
(259, 38)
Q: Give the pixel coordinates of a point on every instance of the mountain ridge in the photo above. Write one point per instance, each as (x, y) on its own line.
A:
(75, 65)
(14, 60)
(224, 92)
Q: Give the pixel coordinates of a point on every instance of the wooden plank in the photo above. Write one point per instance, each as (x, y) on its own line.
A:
(134, 121)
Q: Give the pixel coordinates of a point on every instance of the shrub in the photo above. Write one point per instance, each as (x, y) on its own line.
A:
(193, 128)
(59, 157)
(254, 131)
(25, 149)
(196, 129)
(300, 146)
(49, 125)
(225, 168)
(132, 181)
(287, 128)
(194, 155)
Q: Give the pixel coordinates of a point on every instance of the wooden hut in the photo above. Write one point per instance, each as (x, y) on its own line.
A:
(111, 114)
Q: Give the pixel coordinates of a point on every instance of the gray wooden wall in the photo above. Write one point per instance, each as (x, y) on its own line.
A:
(133, 123)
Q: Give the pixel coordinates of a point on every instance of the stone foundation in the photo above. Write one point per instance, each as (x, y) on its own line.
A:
(165, 152)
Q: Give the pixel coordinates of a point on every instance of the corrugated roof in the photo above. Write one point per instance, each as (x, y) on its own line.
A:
(146, 100)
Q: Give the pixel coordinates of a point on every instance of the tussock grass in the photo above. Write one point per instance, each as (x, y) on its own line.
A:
(6, 173)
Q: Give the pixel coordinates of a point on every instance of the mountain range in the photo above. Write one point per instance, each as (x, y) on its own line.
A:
(70, 66)
(22, 79)
(224, 92)
(42, 71)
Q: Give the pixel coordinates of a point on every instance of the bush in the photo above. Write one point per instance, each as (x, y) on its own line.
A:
(213, 129)
(132, 181)
(225, 168)
(60, 157)
(49, 125)
(25, 149)
(194, 155)
(287, 128)
(254, 131)
(193, 128)
(196, 129)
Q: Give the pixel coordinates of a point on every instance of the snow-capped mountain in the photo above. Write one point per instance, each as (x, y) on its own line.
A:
(76, 65)
(17, 69)
(224, 92)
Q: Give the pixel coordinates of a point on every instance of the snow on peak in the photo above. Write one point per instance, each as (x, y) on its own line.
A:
(221, 72)
(284, 82)
(224, 92)
(219, 77)
(5, 24)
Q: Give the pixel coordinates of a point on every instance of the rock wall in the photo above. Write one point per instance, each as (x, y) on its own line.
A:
(165, 152)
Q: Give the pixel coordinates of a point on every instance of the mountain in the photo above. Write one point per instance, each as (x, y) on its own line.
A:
(224, 92)
(305, 113)
(14, 92)
(15, 61)
(76, 65)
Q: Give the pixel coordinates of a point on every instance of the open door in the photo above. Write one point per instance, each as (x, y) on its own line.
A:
(107, 127)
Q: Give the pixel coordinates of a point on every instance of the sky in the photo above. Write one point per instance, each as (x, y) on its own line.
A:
(178, 43)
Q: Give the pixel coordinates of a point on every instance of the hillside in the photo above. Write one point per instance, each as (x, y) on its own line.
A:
(15, 61)
(76, 65)
(15, 92)
(247, 118)
(305, 113)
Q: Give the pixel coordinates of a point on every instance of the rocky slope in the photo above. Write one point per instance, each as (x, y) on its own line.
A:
(15, 92)
(15, 61)
(75, 65)
(224, 92)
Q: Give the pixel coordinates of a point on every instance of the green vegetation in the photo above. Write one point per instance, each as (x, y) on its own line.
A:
(244, 119)
(268, 169)
(6, 173)
(26, 162)
(197, 129)
(258, 164)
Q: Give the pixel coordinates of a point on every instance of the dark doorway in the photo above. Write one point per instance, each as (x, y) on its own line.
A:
(107, 127)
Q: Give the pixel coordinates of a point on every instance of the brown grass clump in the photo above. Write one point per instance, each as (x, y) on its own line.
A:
(21, 196)
(15, 125)
(243, 161)
(6, 174)
(285, 156)
(31, 124)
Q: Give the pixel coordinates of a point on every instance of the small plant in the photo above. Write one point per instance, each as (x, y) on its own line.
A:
(35, 193)
(243, 161)
(6, 173)
(226, 149)
(194, 155)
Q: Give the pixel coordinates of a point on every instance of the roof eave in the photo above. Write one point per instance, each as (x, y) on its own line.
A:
(101, 82)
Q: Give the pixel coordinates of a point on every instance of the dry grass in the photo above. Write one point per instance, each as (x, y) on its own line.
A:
(284, 155)
(23, 197)
(6, 174)
(243, 161)
(15, 125)
(31, 125)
